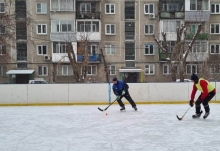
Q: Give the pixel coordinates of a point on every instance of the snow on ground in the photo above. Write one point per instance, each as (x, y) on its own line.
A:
(85, 128)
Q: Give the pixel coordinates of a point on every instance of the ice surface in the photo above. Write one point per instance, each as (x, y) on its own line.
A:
(85, 128)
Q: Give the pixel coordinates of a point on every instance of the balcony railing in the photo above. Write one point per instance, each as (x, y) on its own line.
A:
(172, 15)
(201, 36)
(92, 58)
(87, 15)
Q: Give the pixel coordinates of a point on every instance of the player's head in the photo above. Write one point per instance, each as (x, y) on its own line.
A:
(194, 78)
(115, 80)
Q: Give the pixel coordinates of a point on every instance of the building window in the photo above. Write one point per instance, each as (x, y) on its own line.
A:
(130, 10)
(2, 29)
(148, 49)
(85, 7)
(148, 8)
(110, 49)
(93, 49)
(109, 8)
(165, 69)
(199, 5)
(149, 29)
(149, 69)
(109, 29)
(112, 69)
(22, 65)
(92, 70)
(65, 70)
(88, 26)
(214, 29)
(129, 51)
(214, 69)
(59, 47)
(3, 71)
(170, 26)
(62, 5)
(191, 68)
(2, 7)
(215, 8)
(42, 29)
(41, 49)
(2, 50)
(42, 70)
(193, 29)
(169, 46)
(62, 26)
(21, 51)
(41, 8)
(176, 68)
(214, 49)
(21, 31)
(129, 30)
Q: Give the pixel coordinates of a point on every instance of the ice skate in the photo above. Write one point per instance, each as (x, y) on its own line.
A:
(135, 108)
(122, 108)
(206, 115)
(197, 115)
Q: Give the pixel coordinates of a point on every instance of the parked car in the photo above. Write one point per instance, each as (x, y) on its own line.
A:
(185, 80)
(38, 82)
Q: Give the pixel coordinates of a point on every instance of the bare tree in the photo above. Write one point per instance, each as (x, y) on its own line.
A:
(178, 54)
(11, 30)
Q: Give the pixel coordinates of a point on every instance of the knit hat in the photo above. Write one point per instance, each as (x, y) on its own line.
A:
(114, 79)
(195, 78)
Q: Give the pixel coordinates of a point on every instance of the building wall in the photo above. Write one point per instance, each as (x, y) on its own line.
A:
(118, 39)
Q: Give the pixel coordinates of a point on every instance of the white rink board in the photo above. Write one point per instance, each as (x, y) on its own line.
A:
(13, 94)
(95, 93)
(49, 93)
(165, 92)
(88, 92)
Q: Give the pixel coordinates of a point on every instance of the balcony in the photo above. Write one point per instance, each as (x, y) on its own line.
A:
(88, 15)
(171, 15)
(88, 29)
(94, 58)
(63, 37)
(163, 56)
(193, 16)
(201, 36)
(197, 11)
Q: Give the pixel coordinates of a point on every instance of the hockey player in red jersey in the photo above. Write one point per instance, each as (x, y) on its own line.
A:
(207, 93)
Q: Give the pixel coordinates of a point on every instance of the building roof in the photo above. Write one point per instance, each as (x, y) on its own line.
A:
(20, 72)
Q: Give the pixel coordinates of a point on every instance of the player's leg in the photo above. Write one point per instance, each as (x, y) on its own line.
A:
(206, 104)
(198, 108)
(130, 100)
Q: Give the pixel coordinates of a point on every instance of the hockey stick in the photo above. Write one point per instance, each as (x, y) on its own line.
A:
(107, 106)
(180, 118)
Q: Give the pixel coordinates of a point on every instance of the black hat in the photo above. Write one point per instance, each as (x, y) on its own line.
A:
(114, 79)
(195, 78)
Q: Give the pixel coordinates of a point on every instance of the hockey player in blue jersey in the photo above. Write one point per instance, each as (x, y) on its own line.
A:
(120, 89)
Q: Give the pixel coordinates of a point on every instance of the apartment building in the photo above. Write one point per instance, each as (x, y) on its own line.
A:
(122, 30)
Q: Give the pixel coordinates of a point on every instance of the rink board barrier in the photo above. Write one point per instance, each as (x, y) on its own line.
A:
(95, 93)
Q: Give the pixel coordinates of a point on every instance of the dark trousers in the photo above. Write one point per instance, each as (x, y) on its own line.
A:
(128, 97)
(204, 102)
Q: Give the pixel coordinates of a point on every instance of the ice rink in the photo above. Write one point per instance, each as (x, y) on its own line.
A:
(85, 128)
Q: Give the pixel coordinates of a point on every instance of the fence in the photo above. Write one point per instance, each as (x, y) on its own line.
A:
(52, 94)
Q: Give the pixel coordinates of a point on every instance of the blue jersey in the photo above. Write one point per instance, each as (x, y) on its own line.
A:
(117, 88)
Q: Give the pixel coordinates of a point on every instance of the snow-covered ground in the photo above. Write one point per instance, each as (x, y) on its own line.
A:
(85, 128)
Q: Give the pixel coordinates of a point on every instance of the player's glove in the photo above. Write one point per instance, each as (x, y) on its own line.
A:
(117, 97)
(191, 103)
(123, 92)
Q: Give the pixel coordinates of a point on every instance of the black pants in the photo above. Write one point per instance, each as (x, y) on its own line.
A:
(128, 97)
(204, 102)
